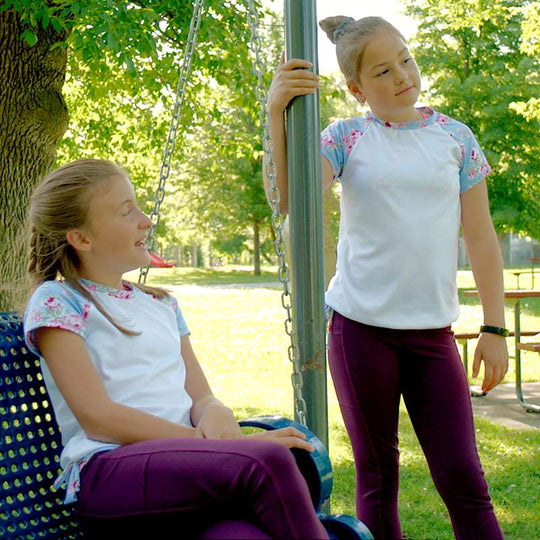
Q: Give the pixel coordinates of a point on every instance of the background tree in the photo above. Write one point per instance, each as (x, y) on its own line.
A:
(124, 57)
(482, 64)
(33, 118)
(221, 180)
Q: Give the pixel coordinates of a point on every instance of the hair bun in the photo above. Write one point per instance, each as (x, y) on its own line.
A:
(334, 26)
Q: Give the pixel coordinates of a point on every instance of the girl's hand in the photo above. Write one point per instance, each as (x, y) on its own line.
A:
(291, 79)
(289, 437)
(492, 350)
(218, 422)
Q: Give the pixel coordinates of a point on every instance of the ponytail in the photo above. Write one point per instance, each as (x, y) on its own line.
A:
(61, 204)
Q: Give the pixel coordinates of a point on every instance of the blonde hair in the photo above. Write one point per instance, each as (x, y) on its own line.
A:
(59, 204)
(351, 37)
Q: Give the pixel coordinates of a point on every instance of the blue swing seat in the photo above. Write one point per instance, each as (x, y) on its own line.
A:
(30, 449)
(31, 445)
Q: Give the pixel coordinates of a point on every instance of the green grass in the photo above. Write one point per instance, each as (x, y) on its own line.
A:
(207, 276)
(238, 334)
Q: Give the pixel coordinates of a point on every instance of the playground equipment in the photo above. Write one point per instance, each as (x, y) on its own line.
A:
(157, 262)
(31, 443)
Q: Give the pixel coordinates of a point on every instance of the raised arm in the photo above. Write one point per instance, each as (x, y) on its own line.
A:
(487, 266)
(291, 79)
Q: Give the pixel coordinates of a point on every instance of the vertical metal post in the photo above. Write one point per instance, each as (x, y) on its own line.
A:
(305, 214)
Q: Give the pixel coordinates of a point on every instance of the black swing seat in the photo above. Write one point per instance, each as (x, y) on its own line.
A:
(31, 445)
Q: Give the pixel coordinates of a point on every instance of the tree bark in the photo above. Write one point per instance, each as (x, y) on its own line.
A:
(33, 119)
(194, 255)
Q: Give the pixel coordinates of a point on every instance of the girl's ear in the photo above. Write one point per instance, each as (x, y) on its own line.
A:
(356, 91)
(79, 240)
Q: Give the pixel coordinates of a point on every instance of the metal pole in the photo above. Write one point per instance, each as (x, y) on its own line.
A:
(305, 214)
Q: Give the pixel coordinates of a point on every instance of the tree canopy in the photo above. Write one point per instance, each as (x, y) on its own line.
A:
(96, 78)
(481, 59)
(119, 62)
(216, 193)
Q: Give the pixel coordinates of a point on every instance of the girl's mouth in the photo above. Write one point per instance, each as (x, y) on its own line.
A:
(404, 90)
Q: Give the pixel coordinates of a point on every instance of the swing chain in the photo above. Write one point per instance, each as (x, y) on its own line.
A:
(165, 170)
(277, 218)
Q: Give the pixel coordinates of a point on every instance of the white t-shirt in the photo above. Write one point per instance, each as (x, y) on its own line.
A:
(400, 217)
(144, 371)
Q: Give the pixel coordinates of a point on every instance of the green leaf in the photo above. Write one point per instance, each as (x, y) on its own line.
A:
(56, 24)
(30, 37)
(45, 19)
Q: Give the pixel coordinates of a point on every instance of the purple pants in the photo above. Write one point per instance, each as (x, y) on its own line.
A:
(197, 488)
(372, 368)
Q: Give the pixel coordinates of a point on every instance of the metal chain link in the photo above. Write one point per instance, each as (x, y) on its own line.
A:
(277, 218)
(165, 170)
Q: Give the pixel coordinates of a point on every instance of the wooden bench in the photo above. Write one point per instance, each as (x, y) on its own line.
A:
(518, 273)
(463, 339)
(534, 347)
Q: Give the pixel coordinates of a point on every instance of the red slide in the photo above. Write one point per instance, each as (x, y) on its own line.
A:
(158, 262)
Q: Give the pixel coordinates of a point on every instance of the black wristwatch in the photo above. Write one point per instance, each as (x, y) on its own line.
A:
(494, 330)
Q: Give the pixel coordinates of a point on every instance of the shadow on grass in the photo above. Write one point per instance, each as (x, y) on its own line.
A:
(244, 413)
(208, 276)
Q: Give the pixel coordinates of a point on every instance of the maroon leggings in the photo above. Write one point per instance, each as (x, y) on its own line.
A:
(372, 368)
(197, 488)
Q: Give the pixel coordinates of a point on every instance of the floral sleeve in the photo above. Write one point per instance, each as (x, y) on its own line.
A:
(339, 139)
(183, 329)
(54, 305)
(474, 165)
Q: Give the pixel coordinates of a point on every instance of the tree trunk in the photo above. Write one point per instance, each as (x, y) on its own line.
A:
(33, 119)
(256, 249)
(194, 255)
(506, 252)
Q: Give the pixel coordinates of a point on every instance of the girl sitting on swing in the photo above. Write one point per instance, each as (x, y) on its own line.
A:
(145, 442)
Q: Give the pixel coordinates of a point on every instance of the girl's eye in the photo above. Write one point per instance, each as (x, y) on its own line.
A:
(383, 73)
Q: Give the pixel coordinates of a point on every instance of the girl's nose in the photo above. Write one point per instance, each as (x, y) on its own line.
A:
(401, 74)
(146, 222)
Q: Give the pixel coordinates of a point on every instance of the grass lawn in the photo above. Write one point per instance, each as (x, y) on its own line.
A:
(238, 334)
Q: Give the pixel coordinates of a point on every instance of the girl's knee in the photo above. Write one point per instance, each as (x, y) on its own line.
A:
(272, 455)
(462, 481)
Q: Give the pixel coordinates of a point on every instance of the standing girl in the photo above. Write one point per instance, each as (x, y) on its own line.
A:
(144, 438)
(410, 176)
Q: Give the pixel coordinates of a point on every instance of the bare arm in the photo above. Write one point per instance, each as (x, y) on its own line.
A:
(102, 419)
(215, 420)
(291, 79)
(487, 266)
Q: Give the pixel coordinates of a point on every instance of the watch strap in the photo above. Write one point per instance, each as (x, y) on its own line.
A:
(494, 330)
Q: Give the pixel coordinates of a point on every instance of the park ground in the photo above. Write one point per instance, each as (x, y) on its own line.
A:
(237, 325)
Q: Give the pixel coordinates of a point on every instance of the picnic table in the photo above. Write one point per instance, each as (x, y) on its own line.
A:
(517, 273)
(514, 297)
